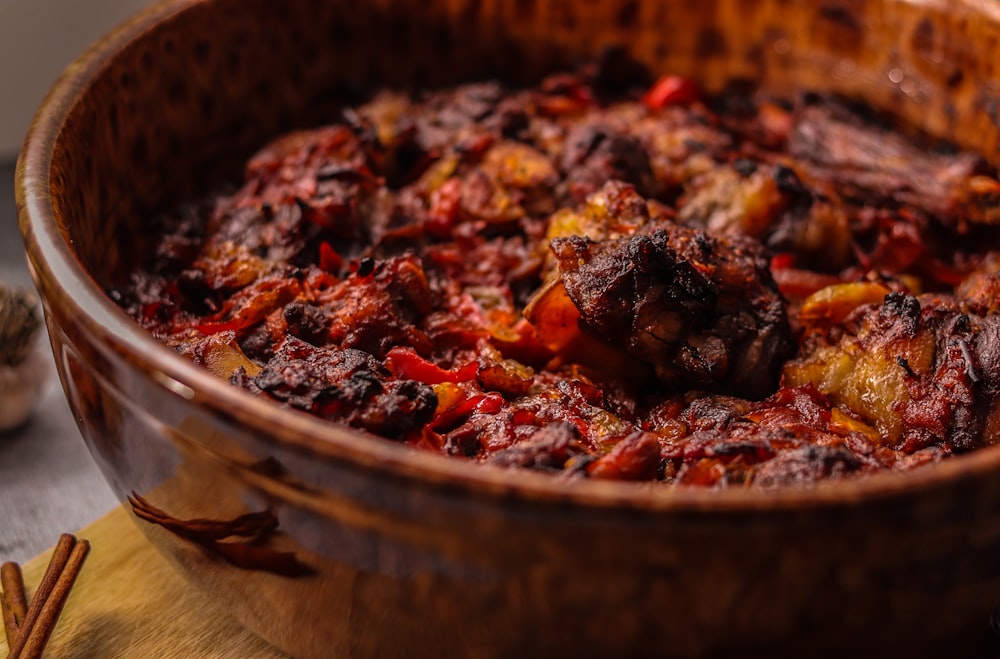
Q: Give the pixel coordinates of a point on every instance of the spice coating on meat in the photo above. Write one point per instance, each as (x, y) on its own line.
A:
(346, 385)
(602, 278)
(703, 310)
(920, 370)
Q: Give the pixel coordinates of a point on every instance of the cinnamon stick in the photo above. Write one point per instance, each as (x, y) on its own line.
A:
(10, 624)
(14, 602)
(47, 603)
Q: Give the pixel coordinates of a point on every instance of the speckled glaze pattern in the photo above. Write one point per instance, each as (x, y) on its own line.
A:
(410, 554)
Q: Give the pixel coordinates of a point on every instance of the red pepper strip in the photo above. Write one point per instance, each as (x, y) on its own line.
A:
(150, 310)
(797, 283)
(406, 363)
(216, 327)
(782, 260)
(445, 203)
(490, 403)
(329, 259)
(524, 417)
(670, 90)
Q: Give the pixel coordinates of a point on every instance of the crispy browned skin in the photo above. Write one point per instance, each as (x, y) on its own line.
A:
(603, 277)
(920, 370)
(877, 165)
(702, 310)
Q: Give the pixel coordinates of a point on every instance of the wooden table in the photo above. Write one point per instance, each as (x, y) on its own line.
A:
(129, 602)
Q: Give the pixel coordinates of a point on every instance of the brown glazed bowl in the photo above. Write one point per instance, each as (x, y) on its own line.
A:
(382, 551)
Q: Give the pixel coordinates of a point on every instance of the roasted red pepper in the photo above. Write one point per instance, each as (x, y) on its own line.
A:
(406, 363)
(671, 90)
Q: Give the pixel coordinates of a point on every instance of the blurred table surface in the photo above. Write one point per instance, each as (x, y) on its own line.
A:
(49, 484)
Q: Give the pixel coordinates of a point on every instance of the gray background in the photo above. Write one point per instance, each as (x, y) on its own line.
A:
(38, 38)
(49, 484)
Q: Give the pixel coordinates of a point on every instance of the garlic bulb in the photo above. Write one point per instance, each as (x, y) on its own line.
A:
(23, 364)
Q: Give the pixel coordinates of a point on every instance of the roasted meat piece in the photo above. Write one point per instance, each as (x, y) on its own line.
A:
(597, 152)
(920, 370)
(744, 199)
(980, 290)
(770, 203)
(380, 306)
(551, 448)
(872, 164)
(346, 385)
(703, 310)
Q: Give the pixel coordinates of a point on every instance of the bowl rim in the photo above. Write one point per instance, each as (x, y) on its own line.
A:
(60, 276)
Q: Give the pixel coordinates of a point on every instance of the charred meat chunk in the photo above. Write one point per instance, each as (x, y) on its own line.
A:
(871, 163)
(548, 449)
(596, 153)
(347, 385)
(379, 306)
(920, 370)
(704, 311)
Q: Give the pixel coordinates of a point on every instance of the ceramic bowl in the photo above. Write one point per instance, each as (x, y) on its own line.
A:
(382, 551)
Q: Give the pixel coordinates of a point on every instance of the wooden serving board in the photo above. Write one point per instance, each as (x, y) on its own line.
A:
(129, 602)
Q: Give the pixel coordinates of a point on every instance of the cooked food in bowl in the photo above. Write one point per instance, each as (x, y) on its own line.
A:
(604, 276)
